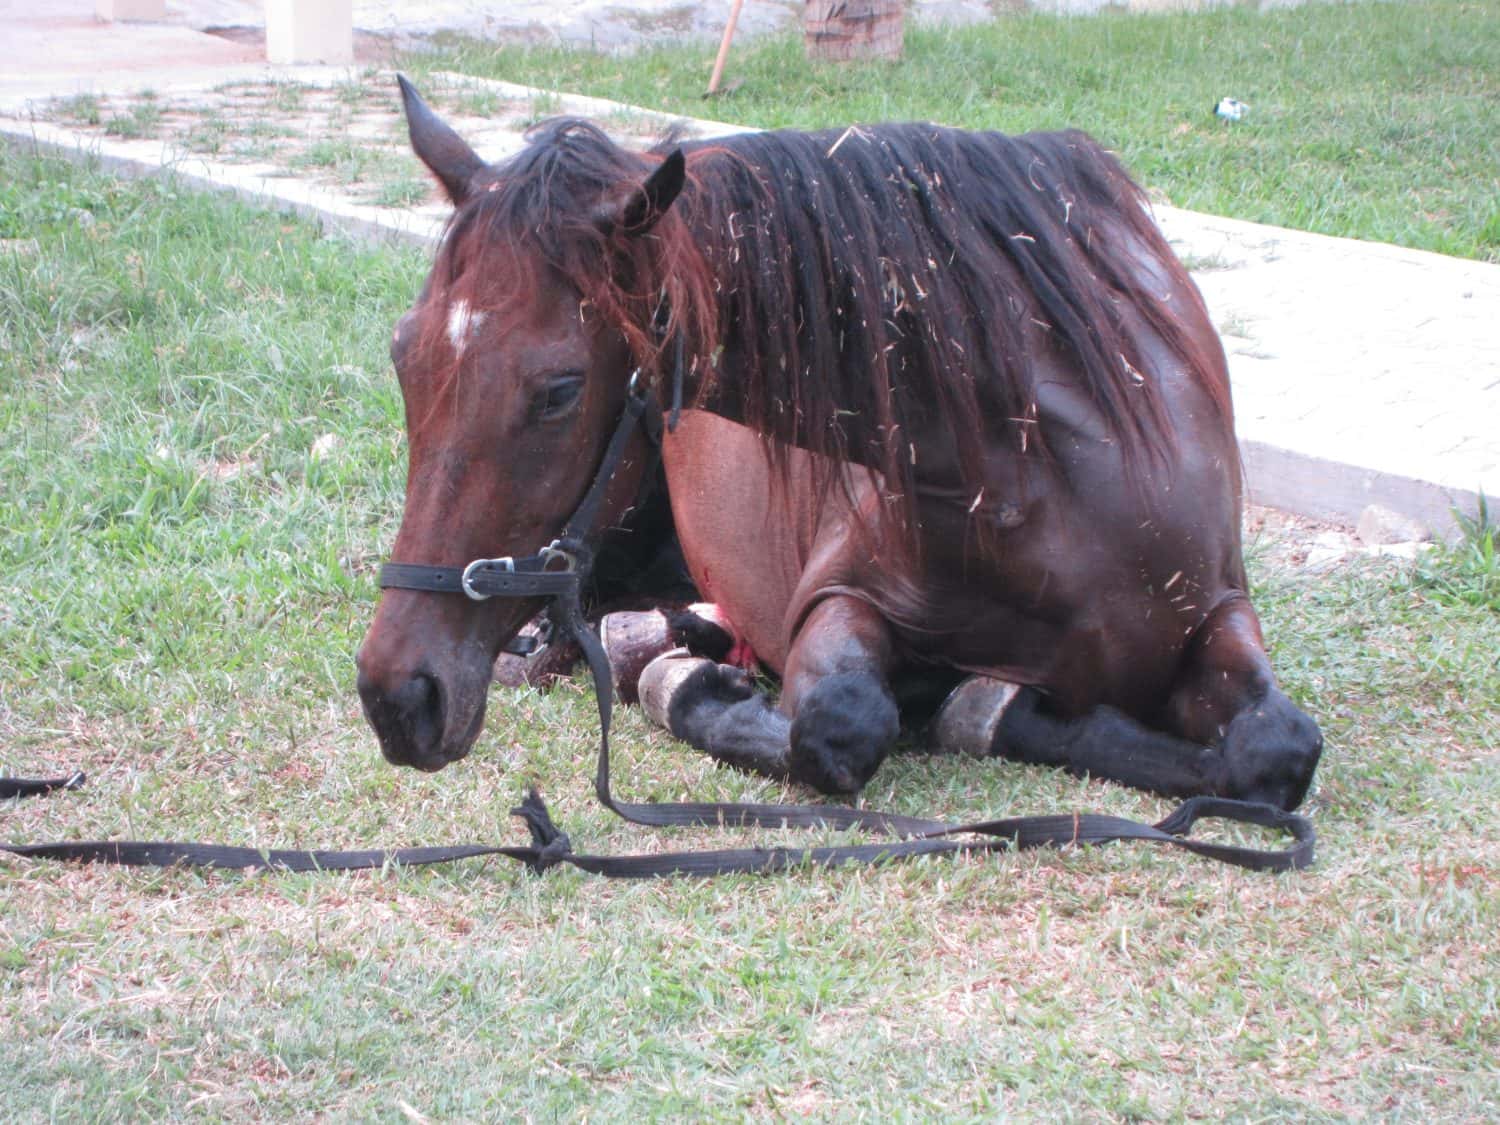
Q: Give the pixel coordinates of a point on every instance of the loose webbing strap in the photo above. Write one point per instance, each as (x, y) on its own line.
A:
(550, 847)
(35, 787)
(915, 836)
(922, 836)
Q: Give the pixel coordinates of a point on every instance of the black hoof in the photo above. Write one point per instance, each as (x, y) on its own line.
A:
(674, 687)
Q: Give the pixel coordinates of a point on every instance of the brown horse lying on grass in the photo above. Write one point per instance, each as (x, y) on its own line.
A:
(1019, 452)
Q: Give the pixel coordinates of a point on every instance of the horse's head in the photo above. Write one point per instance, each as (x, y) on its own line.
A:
(514, 363)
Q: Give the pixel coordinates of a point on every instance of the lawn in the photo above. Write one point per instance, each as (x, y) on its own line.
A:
(185, 571)
(1370, 120)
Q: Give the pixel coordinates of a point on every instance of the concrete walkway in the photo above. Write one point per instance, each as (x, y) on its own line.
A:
(1363, 373)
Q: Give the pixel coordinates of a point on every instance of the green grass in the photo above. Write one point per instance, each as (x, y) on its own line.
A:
(1467, 571)
(141, 120)
(183, 586)
(405, 191)
(82, 108)
(1371, 120)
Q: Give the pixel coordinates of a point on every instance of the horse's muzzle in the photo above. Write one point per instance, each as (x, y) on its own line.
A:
(410, 718)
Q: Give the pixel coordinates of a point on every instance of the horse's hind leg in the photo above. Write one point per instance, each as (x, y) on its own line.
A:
(715, 708)
(1231, 731)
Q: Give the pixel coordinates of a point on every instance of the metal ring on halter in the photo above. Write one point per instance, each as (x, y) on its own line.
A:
(506, 564)
(554, 550)
(634, 386)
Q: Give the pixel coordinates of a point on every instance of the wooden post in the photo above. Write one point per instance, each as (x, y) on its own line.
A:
(840, 30)
(309, 31)
(734, 17)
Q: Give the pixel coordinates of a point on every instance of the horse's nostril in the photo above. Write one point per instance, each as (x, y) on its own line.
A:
(407, 715)
(420, 699)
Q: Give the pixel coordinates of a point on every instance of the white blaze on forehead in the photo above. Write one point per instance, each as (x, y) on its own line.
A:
(462, 323)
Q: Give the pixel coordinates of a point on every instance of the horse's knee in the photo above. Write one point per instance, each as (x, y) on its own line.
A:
(1226, 697)
(844, 727)
(1270, 751)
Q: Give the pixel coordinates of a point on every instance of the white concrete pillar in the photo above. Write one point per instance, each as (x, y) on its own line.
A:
(309, 31)
(112, 10)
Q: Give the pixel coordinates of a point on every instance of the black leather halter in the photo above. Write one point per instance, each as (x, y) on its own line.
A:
(559, 569)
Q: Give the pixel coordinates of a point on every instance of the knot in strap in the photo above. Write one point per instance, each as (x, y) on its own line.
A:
(551, 843)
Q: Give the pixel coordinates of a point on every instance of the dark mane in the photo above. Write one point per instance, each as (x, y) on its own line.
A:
(846, 290)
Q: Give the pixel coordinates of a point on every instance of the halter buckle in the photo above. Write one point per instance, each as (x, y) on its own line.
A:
(506, 564)
(555, 550)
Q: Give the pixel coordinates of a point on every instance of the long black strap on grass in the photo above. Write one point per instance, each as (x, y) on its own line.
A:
(549, 846)
(36, 787)
(921, 836)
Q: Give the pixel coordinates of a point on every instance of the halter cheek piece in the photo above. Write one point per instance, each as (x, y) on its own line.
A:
(559, 569)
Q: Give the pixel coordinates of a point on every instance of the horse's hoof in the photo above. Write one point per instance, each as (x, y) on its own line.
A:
(969, 720)
(676, 680)
(633, 640)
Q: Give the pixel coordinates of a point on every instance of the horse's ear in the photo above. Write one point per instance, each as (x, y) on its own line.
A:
(649, 202)
(451, 160)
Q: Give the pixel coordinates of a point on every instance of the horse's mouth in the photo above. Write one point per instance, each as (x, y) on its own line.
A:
(402, 752)
(425, 763)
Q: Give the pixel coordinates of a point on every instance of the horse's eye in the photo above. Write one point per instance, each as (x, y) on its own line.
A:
(558, 397)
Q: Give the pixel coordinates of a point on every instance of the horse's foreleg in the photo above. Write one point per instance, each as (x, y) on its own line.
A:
(716, 708)
(1266, 747)
(837, 690)
(1104, 743)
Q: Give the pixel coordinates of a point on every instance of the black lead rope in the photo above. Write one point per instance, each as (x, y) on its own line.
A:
(35, 787)
(558, 573)
(917, 835)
